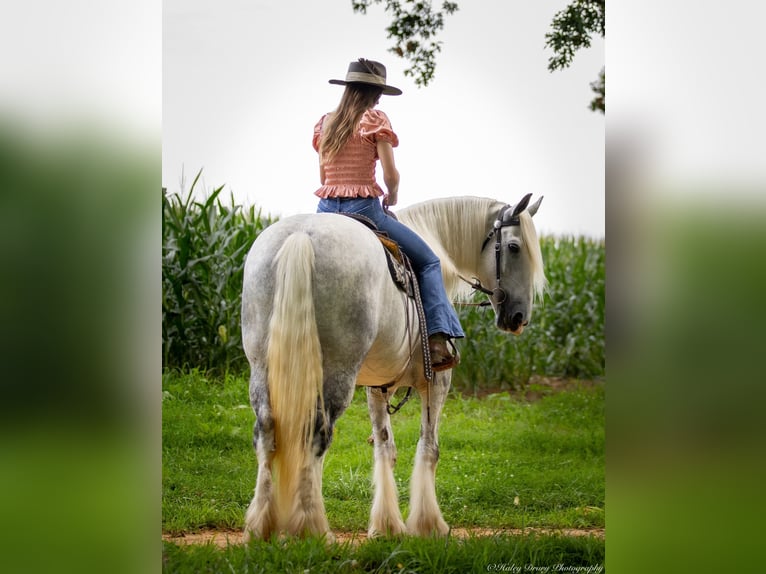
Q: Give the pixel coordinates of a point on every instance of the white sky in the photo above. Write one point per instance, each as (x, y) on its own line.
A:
(244, 82)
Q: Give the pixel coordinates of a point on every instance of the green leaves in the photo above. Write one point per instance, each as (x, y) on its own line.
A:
(571, 30)
(598, 103)
(204, 244)
(414, 26)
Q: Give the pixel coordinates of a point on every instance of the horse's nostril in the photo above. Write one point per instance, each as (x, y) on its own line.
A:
(518, 319)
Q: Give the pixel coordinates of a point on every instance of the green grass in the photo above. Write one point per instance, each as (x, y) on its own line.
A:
(548, 453)
(491, 554)
(208, 462)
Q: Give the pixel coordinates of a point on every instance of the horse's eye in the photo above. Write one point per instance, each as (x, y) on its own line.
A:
(514, 247)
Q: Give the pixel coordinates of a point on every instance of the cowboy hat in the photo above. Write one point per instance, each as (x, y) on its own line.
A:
(370, 73)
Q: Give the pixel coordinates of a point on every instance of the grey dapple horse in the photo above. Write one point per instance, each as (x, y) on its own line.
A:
(321, 315)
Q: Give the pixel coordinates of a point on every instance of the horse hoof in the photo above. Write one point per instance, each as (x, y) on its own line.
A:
(391, 532)
(437, 528)
(329, 537)
(250, 535)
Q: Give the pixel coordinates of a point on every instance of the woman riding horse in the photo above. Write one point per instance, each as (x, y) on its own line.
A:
(321, 316)
(349, 142)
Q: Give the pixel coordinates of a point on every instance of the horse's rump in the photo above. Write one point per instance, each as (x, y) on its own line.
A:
(360, 313)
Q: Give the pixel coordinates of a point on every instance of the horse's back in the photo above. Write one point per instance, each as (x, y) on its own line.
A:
(345, 252)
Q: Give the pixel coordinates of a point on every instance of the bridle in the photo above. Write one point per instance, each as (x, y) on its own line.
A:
(498, 294)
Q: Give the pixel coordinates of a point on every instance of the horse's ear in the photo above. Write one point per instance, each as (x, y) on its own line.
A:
(521, 206)
(532, 209)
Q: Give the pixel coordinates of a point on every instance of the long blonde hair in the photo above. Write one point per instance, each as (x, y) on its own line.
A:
(343, 123)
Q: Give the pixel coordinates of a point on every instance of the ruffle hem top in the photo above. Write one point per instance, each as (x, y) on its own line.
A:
(351, 173)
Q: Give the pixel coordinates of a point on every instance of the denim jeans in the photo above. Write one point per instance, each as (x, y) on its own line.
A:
(440, 315)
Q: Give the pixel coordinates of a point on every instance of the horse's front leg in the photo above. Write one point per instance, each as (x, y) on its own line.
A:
(385, 517)
(425, 516)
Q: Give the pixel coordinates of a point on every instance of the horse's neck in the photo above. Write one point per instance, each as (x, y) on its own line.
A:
(455, 230)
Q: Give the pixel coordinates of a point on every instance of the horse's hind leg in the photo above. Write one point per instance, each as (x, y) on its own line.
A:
(425, 516)
(308, 515)
(260, 518)
(385, 517)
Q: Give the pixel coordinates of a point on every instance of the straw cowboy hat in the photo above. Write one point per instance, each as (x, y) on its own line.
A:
(370, 73)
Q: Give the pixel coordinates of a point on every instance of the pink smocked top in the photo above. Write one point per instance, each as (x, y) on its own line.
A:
(351, 173)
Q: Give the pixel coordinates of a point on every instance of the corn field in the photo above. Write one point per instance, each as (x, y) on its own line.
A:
(204, 245)
(203, 252)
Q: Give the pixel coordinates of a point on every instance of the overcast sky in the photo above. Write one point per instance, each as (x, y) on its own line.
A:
(244, 82)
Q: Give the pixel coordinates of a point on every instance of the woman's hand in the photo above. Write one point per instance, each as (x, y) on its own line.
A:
(390, 173)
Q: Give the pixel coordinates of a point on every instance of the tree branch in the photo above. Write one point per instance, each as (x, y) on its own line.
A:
(413, 28)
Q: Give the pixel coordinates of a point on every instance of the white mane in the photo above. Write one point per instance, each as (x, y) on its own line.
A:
(532, 245)
(455, 229)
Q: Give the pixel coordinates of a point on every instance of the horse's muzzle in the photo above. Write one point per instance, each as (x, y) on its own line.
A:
(518, 323)
(512, 321)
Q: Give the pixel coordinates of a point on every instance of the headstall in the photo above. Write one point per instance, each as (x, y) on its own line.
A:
(498, 294)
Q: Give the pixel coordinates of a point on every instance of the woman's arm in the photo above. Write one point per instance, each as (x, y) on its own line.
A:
(390, 173)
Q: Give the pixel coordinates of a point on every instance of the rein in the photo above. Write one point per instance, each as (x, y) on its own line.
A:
(476, 286)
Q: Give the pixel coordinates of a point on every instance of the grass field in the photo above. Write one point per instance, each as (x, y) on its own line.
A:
(490, 554)
(505, 463)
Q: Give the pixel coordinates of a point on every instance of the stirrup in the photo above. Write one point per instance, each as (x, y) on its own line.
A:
(451, 361)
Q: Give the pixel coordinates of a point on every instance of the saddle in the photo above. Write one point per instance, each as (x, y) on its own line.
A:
(399, 265)
(403, 276)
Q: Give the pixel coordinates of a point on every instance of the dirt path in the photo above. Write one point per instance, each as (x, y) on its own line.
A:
(223, 538)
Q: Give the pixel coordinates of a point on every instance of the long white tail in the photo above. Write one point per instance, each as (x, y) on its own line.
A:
(294, 369)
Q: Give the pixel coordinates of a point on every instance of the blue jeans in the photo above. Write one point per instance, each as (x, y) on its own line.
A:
(440, 315)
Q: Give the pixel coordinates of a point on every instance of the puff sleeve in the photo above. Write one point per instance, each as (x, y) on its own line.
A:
(318, 133)
(376, 126)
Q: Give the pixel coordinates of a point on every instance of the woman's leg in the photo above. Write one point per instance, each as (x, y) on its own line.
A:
(440, 314)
